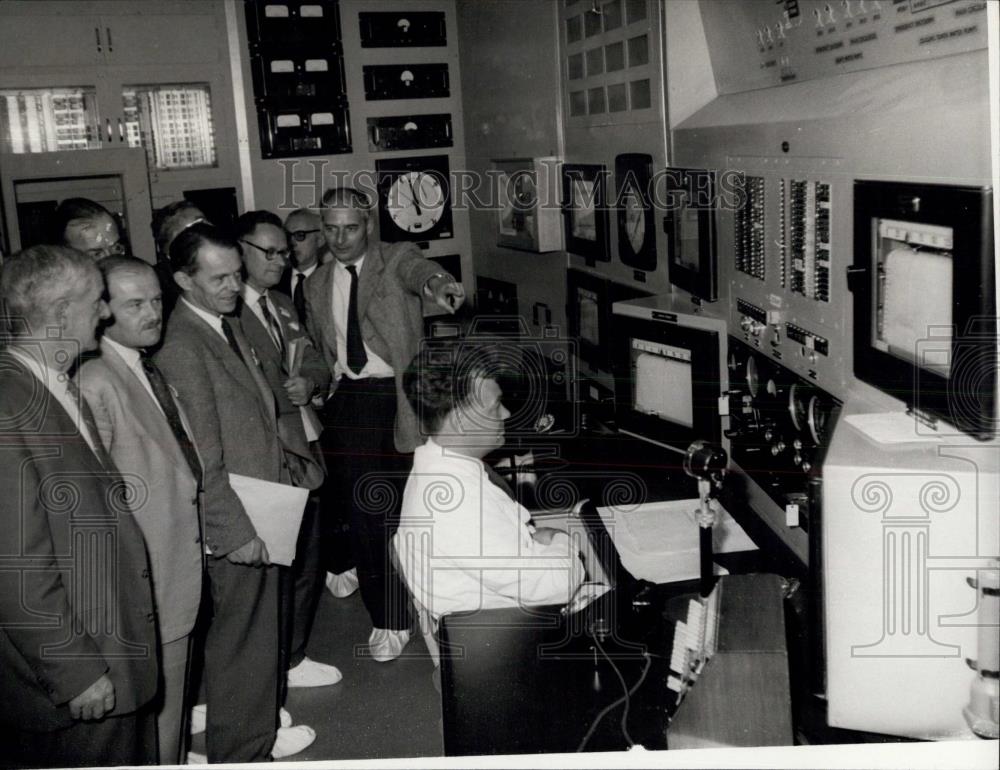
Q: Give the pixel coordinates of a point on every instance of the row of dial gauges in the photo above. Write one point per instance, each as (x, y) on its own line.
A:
(779, 428)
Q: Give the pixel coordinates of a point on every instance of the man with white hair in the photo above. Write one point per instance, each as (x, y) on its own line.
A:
(78, 659)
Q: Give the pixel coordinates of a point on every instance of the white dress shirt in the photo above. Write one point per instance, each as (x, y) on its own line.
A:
(464, 544)
(376, 367)
(301, 275)
(133, 359)
(56, 383)
(251, 297)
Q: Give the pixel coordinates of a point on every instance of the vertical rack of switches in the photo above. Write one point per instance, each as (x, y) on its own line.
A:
(749, 222)
(296, 58)
(809, 234)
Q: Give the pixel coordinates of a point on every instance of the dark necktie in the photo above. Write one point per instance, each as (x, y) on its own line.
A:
(162, 393)
(95, 435)
(273, 327)
(227, 330)
(299, 296)
(356, 355)
(499, 480)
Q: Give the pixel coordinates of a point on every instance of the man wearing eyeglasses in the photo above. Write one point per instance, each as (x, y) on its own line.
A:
(305, 237)
(273, 329)
(87, 226)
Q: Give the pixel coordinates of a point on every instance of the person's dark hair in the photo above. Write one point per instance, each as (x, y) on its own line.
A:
(184, 249)
(442, 376)
(110, 265)
(163, 218)
(349, 197)
(36, 280)
(72, 209)
(251, 220)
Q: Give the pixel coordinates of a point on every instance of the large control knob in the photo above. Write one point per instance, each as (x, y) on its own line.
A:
(777, 449)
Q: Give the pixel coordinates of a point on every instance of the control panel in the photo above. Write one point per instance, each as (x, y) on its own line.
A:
(760, 44)
(748, 239)
(779, 429)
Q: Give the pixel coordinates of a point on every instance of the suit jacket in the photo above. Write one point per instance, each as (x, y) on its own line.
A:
(139, 439)
(272, 365)
(391, 314)
(232, 416)
(75, 595)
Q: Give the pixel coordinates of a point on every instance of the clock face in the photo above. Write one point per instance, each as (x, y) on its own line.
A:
(416, 202)
(414, 198)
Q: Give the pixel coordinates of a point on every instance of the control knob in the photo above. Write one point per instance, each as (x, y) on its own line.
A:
(778, 448)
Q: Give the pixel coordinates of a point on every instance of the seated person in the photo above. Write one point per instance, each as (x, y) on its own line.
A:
(463, 542)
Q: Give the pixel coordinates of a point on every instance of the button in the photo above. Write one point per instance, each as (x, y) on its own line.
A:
(194, 500)
(150, 617)
(197, 540)
(145, 573)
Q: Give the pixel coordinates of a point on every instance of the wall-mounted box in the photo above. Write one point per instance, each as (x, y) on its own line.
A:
(292, 22)
(292, 78)
(406, 81)
(529, 216)
(402, 29)
(290, 133)
(409, 132)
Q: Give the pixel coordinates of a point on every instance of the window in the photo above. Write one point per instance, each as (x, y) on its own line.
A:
(48, 120)
(173, 123)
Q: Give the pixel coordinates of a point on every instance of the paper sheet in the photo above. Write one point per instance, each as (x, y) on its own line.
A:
(659, 541)
(663, 386)
(917, 301)
(275, 511)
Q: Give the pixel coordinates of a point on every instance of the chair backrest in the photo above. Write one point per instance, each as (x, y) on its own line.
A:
(501, 680)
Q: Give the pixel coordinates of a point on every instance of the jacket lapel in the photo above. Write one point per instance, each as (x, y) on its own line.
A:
(220, 349)
(148, 416)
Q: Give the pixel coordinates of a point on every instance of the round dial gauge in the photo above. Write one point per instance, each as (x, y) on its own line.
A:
(819, 412)
(753, 379)
(416, 201)
(797, 406)
(635, 220)
(524, 191)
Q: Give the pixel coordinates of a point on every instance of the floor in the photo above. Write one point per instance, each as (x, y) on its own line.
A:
(378, 710)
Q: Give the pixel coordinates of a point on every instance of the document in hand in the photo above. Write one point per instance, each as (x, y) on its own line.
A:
(310, 422)
(275, 511)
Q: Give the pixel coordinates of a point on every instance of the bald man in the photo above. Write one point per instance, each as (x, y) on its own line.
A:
(305, 237)
(146, 433)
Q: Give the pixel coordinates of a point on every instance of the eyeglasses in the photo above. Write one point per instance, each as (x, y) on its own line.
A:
(299, 235)
(271, 254)
(114, 250)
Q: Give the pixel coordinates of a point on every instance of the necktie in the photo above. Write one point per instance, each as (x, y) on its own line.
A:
(273, 327)
(299, 296)
(91, 424)
(162, 393)
(499, 481)
(356, 356)
(227, 330)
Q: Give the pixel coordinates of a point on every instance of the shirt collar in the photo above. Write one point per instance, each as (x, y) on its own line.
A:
(251, 296)
(309, 270)
(130, 356)
(343, 268)
(212, 319)
(49, 377)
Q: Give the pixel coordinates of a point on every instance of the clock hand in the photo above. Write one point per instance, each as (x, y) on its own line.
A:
(416, 200)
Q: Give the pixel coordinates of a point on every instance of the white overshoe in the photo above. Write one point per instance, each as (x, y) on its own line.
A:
(292, 740)
(194, 758)
(342, 584)
(311, 673)
(386, 644)
(199, 715)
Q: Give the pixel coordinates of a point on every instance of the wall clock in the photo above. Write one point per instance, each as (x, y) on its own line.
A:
(586, 212)
(636, 231)
(414, 198)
